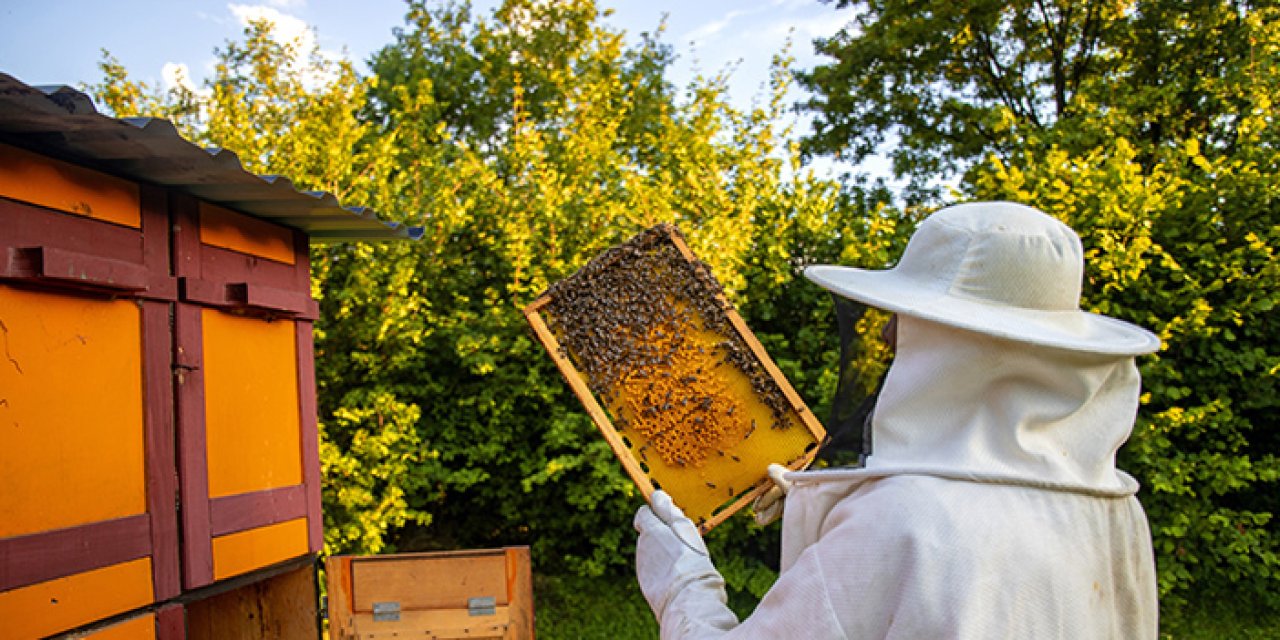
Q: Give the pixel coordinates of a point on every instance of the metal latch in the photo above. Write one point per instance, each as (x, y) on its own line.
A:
(483, 606)
(386, 612)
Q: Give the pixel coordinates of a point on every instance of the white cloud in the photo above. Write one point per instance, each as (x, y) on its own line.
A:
(177, 74)
(291, 31)
(287, 29)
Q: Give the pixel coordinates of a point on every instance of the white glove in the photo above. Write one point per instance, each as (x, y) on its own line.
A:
(769, 505)
(674, 572)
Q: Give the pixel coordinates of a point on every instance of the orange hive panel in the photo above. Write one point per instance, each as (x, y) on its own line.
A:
(672, 376)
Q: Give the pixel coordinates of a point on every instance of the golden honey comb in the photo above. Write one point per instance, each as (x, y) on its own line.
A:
(673, 378)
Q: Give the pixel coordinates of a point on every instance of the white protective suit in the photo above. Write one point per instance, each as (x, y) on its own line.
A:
(990, 508)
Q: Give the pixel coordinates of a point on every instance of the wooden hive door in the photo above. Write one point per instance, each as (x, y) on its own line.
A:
(248, 441)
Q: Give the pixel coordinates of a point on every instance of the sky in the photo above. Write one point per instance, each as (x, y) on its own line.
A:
(61, 41)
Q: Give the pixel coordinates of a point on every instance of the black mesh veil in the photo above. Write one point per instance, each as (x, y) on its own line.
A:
(849, 424)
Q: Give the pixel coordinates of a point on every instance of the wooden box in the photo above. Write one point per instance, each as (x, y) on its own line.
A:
(457, 594)
(157, 397)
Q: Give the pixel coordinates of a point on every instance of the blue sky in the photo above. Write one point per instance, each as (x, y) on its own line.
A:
(59, 41)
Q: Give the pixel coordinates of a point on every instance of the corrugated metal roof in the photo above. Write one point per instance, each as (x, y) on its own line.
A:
(63, 122)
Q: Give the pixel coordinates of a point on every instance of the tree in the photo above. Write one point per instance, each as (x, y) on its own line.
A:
(525, 143)
(1146, 126)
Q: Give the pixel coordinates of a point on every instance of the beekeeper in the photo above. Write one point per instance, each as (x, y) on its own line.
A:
(990, 505)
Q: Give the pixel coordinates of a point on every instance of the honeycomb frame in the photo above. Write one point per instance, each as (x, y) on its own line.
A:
(678, 385)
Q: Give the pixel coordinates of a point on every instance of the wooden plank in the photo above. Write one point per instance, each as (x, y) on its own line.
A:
(71, 409)
(245, 551)
(588, 399)
(66, 603)
(40, 557)
(161, 460)
(27, 227)
(197, 550)
(437, 623)
(171, 622)
(156, 255)
(520, 590)
(141, 627)
(443, 581)
(283, 606)
(236, 513)
(252, 426)
(310, 433)
(185, 225)
(221, 227)
(66, 187)
(337, 570)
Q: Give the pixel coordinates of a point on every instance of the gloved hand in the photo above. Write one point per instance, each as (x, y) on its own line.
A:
(670, 557)
(769, 505)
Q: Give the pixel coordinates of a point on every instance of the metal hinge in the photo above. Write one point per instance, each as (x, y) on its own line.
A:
(386, 612)
(482, 606)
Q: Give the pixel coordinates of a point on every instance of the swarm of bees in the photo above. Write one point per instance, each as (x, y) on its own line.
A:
(649, 328)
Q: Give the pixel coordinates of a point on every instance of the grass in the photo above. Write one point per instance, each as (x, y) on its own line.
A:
(1219, 621)
(572, 608)
(575, 608)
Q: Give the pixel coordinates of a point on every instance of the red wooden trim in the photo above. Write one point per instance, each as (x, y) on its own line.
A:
(197, 543)
(162, 483)
(156, 243)
(185, 220)
(302, 262)
(232, 514)
(27, 226)
(310, 433)
(49, 555)
(171, 622)
(224, 265)
(249, 297)
(56, 249)
(72, 268)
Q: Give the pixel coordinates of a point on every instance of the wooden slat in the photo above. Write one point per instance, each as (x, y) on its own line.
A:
(239, 553)
(197, 550)
(310, 436)
(46, 182)
(438, 623)
(338, 579)
(233, 514)
(429, 582)
(41, 557)
(55, 606)
(221, 227)
(161, 469)
(579, 386)
(520, 589)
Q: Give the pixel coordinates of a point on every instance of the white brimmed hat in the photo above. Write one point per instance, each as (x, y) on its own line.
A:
(998, 268)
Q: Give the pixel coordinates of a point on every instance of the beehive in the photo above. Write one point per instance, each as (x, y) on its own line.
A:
(672, 376)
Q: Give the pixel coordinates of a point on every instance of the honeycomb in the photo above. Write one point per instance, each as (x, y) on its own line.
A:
(672, 376)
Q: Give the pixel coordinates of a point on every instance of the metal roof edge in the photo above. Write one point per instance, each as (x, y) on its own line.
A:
(63, 122)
